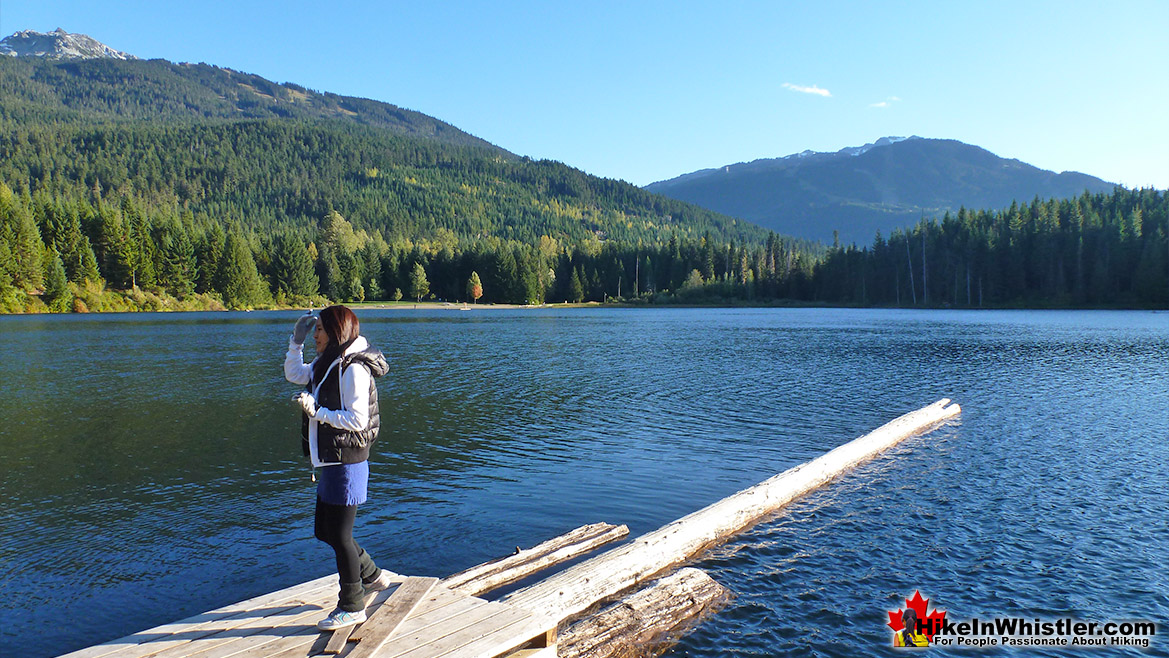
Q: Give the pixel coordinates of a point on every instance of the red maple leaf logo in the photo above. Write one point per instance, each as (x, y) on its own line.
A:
(930, 623)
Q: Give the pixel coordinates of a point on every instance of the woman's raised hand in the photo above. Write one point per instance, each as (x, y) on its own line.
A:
(303, 326)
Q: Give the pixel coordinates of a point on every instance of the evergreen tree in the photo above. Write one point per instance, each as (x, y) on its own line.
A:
(293, 268)
(7, 266)
(56, 294)
(88, 270)
(329, 273)
(575, 288)
(179, 265)
(19, 231)
(208, 256)
(237, 279)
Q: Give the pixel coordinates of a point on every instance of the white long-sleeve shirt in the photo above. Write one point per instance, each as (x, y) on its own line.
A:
(354, 412)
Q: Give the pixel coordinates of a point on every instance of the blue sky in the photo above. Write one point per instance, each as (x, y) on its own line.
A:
(645, 91)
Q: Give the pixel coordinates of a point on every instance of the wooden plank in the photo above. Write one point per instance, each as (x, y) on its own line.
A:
(337, 641)
(189, 628)
(300, 644)
(421, 628)
(530, 629)
(430, 622)
(542, 652)
(255, 632)
(489, 619)
(262, 641)
(378, 630)
(497, 573)
(576, 589)
(439, 606)
(338, 638)
(308, 610)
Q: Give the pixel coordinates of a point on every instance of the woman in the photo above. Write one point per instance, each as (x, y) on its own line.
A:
(340, 422)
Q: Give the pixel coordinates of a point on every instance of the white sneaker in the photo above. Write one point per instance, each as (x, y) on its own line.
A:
(341, 619)
(382, 582)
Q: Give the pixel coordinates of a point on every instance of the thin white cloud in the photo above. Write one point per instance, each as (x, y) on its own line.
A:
(887, 102)
(808, 90)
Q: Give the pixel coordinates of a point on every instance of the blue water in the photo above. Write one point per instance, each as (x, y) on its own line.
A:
(153, 468)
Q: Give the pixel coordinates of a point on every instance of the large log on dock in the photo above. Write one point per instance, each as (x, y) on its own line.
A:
(644, 622)
(576, 589)
(523, 563)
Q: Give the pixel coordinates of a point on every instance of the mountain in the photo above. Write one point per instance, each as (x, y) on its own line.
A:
(39, 74)
(57, 45)
(881, 186)
(241, 148)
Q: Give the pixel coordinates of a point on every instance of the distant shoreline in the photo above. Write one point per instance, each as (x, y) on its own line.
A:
(459, 306)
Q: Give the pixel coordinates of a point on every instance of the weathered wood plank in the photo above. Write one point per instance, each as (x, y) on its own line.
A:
(338, 638)
(445, 640)
(298, 644)
(507, 637)
(542, 652)
(389, 617)
(577, 588)
(643, 620)
(503, 571)
(420, 627)
(255, 632)
(126, 647)
(441, 606)
(440, 603)
(155, 640)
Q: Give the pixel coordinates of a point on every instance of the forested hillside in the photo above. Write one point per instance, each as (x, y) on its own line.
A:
(241, 149)
(164, 170)
(142, 188)
(157, 90)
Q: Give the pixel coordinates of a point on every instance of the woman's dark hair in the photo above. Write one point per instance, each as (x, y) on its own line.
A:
(343, 328)
(909, 618)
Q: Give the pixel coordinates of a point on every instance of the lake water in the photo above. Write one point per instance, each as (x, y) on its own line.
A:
(152, 463)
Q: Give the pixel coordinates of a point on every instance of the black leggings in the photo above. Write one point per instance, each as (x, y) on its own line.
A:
(334, 526)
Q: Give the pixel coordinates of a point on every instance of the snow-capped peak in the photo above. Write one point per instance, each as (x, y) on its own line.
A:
(57, 44)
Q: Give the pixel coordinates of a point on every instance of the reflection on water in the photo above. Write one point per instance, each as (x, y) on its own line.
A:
(153, 468)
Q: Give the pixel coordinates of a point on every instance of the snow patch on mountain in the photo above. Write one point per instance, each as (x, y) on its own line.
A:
(57, 45)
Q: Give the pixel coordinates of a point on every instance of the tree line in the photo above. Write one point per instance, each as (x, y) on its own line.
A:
(1093, 250)
(51, 242)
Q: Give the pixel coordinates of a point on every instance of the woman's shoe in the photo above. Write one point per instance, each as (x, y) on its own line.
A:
(382, 582)
(340, 619)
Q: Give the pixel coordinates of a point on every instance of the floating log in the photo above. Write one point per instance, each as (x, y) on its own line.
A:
(504, 571)
(647, 621)
(576, 589)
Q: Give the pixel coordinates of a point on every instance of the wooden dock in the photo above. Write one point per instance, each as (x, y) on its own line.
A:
(282, 624)
(425, 617)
